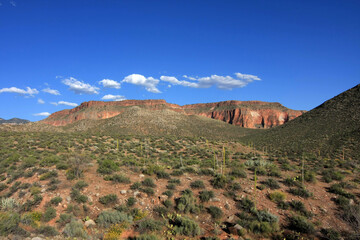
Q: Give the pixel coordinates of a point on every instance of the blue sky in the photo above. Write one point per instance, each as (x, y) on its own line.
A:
(56, 54)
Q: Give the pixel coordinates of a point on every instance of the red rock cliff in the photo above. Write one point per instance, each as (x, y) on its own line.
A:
(249, 114)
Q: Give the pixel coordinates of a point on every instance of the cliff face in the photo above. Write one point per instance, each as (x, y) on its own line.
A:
(248, 114)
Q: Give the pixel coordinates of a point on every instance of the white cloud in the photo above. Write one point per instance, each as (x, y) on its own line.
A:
(51, 91)
(40, 101)
(149, 83)
(42, 114)
(28, 91)
(113, 97)
(80, 87)
(175, 81)
(64, 103)
(108, 83)
(13, 3)
(221, 82)
(247, 77)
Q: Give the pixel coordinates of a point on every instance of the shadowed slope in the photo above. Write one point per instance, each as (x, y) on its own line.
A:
(333, 128)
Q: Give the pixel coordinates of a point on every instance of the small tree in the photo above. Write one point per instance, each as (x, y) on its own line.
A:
(78, 163)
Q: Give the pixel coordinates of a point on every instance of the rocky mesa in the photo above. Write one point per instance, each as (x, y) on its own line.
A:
(248, 114)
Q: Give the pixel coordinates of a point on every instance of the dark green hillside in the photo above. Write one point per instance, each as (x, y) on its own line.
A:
(331, 129)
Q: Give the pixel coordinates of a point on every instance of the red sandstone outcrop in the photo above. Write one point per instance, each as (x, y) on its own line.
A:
(249, 114)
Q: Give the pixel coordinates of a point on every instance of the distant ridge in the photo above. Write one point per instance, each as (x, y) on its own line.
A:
(14, 121)
(331, 129)
(248, 114)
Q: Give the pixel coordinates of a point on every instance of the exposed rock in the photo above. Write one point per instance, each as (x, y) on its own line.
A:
(37, 238)
(215, 199)
(231, 219)
(89, 223)
(123, 192)
(249, 114)
(141, 175)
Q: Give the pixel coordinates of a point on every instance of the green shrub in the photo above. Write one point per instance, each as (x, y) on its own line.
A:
(64, 218)
(50, 213)
(75, 229)
(107, 218)
(300, 224)
(331, 234)
(219, 181)
(145, 237)
(271, 183)
(148, 225)
(205, 196)
(171, 186)
(338, 189)
(238, 173)
(163, 174)
(197, 184)
(131, 201)
(56, 200)
(118, 178)
(148, 190)
(187, 203)
(107, 167)
(108, 199)
(3, 186)
(80, 185)
(135, 186)
(215, 212)
(175, 181)
(48, 175)
(185, 226)
(302, 192)
(245, 204)
(168, 203)
(148, 182)
(168, 193)
(77, 196)
(9, 223)
(47, 231)
(293, 182)
(161, 211)
(330, 174)
(277, 196)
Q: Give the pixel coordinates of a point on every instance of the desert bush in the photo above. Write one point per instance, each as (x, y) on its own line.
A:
(168, 193)
(49, 161)
(48, 175)
(238, 172)
(107, 167)
(145, 237)
(177, 172)
(277, 196)
(47, 231)
(330, 234)
(205, 196)
(50, 213)
(171, 186)
(148, 225)
(56, 200)
(338, 189)
(9, 223)
(187, 203)
(135, 186)
(114, 231)
(148, 190)
(148, 182)
(300, 224)
(3, 186)
(81, 185)
(107, 218)
(64, 218)
(185, 226)
(245, 204)
(215, 212)
(197, 184)
(75, 229)
(161, 211)
(131, 201)
(330, 175)
(300, 207)
(168, 203)
(108, 199)
(219, 181)
(271, 183)
(8, 204)
(302, 192)
(163, 174)
(293, 182)
(118, 178)
(77, 196)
